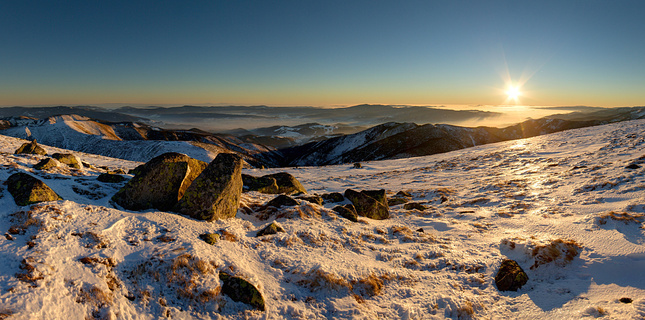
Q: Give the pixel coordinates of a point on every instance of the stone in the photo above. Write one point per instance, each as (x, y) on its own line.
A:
(287, 183)
(333, 197)
(216, 192)
(369, 203)
(241, 290)
(272, 228)
(414, 205)
(159, 183)
(312, 198)
(264, 184)
(68, 159)
(510, 276)
(46, 164)
(282, 201)
(31, 148)
(396, 201)
(110, 178)
(210, 238)
(347, 211)
(357, 165)
(27, 190)
(632, 166)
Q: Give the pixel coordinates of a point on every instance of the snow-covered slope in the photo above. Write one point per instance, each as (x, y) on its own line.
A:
(91, 260)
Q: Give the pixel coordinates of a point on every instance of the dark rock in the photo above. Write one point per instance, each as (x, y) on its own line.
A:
(110, 178)
(27, 190)
(369, 203)
(414, 205)
(347, 211)
(313, 199)
(264, 184)
(215, 193)
(210, 238)
(510, 276)
(626, 300)
(632, 166)
(282, 200)
(396, 201)
(420, 230)
(272, 228)
(31, 148)
(46, 164)
(403, 194)
(333, 197)
(241, 290)
(287, 183)
(160, 182)
(357, 165)
(68, 159)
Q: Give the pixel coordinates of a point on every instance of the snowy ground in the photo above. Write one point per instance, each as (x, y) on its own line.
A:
(82, 258)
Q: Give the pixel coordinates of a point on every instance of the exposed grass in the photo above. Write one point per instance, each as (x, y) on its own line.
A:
(624, 217)
(559, 251)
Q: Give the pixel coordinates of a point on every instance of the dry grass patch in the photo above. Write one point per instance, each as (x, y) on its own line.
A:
(624, 217)
(559, 251)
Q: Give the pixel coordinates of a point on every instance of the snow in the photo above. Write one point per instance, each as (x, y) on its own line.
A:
(531, 192)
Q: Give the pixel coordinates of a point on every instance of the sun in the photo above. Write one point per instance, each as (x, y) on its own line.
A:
(513, 92)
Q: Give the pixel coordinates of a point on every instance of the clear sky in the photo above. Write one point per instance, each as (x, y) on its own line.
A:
(322, 52)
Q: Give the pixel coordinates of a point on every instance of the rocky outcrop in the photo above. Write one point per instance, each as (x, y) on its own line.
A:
(47, 164)
(31, 148)
(27, 190)
(215, 193)
(369, 203)
(68, 159)
(510, 276)
(160, 183)
(241, 290)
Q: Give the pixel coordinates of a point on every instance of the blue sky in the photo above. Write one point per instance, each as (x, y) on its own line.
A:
(322, 52)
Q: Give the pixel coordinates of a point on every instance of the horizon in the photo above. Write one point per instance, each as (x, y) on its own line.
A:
(550, 53)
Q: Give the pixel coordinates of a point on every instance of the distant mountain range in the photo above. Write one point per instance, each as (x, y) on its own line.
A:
(310, 144)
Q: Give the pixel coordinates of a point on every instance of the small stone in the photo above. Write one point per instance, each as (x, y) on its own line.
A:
(633, 166)
(46, 164)
(241, 290)
(313, 199)
(510, 276)
(626, 300)
(420, 230)
(414, 205)
(31, 148)
(110, 178)
(272, 228)
(68, 159)
(282, 201)
(210, 238)
(357, 165)
(347, 211)
(369, 203)
(333, 197)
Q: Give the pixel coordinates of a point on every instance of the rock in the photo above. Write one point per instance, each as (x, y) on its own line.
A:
(333, 197)
(357, 165)
(403, 194)
(27, 190)
(510, 276)
(625, 300)
(31, 148)
(215, 193)
(414, 205)
(272, 228)
(282, 201)
(287, 183)
(264, 184)
(633, 166)
(210, 238)
(241, 290)
(160, 182)
(347, 211)
(369, 203)
(313, 199)
(420, 230)
(47, 164)
(68, 159)
(396, 201)
(110, 178)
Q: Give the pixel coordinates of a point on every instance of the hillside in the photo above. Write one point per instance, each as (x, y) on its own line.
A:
(568, 207)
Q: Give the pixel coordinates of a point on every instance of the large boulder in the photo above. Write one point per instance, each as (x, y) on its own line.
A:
(68, 159)
(160, 182)
(369, 203)
(215, 193)
(264, 184)
(27, 190)
(510, 276)
(31, 148)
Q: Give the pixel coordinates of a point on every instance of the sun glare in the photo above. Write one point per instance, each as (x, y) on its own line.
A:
(513, 93)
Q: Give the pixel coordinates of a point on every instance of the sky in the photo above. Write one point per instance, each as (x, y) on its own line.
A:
(322, 53)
